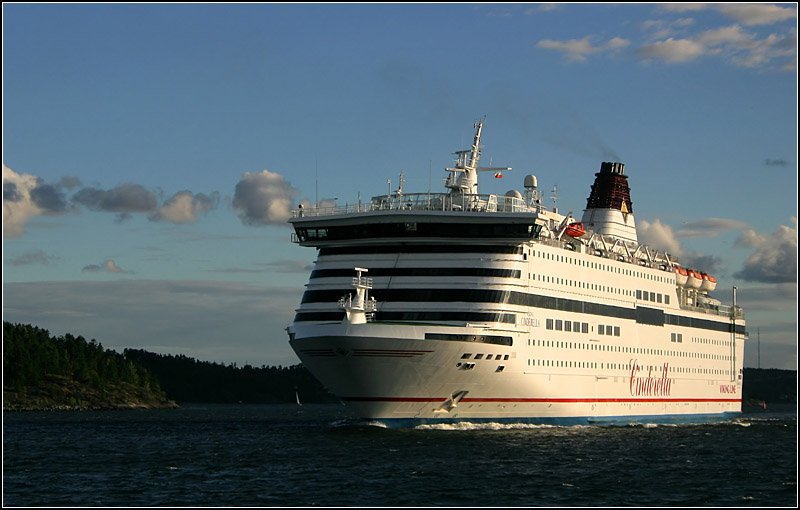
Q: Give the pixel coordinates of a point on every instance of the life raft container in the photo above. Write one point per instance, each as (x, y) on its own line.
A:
(575, 229)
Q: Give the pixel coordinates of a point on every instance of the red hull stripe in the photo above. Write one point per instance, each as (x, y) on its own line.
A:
(542, 400)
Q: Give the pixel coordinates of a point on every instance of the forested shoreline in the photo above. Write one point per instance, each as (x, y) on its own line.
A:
(43, 372)
(68, 372)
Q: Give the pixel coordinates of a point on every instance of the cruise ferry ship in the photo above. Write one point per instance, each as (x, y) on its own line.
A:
(461, 306)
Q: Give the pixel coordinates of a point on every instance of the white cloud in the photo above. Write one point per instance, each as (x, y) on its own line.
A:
(726, 35)
(184, 207)
(574, 49)
(757, 14)
(263, 198)
(18, 207)
(775, 256)
(616, 43)
(659, 236)
(680, 7)
(578, 50)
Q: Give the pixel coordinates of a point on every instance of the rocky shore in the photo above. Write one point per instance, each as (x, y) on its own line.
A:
(59, 393)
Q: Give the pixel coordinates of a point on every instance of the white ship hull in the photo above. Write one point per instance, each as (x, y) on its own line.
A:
(392, 374)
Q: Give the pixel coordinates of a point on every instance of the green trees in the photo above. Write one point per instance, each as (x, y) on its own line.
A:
(35, 363)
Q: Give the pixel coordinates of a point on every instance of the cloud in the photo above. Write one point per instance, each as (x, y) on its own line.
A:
(184, 207)
(659, 236)
(577, 50)
(109, 266)
(49, 198)
(757, 14)
(746, 14)
(706, 263)
(123, 199)
(33, 257)
(263, 198)
(18, 206)
(68, 182)
(672, 50)
(775, 256)
(732, 43)
(709, 227)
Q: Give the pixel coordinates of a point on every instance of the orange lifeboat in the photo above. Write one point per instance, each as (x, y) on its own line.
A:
(681, 275)
(694, 279)
(709, 282)
(575, 229)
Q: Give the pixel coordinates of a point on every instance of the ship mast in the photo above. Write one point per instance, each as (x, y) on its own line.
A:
(463, 178)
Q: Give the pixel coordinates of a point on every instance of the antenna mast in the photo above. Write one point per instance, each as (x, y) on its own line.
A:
(467, 166)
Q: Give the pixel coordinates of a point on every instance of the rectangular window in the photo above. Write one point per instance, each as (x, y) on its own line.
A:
(652, 296)
(466, 355)
(549, 324)
(584, 327)
(658, 298)
(479, 356)
(666, 299)
(616, 330)
(609, 330)
(576, 327)
(568, 326)
(601, 330)
(559, 324)
(638, 294)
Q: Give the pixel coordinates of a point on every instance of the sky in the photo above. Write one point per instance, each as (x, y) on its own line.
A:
(152, 153)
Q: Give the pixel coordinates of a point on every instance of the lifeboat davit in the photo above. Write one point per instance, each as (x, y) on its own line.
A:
(709, 282)
(694, 279)
(575, 229)
(681, 275)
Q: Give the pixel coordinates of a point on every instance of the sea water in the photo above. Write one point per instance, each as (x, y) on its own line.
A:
(319, 455)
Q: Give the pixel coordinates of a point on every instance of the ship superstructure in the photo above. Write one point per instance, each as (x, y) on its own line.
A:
(461, 306)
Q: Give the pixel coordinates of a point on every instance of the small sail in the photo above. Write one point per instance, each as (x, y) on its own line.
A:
(297, 397)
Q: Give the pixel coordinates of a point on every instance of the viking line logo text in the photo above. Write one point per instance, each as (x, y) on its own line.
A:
(649, 385)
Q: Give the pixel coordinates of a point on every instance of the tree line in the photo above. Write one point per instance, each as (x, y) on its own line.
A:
(32, 358)
(186, 379)
(30, 355)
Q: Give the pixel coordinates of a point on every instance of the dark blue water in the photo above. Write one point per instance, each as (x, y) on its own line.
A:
(219, 455)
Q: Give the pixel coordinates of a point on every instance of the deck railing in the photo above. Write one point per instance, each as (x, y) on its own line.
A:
(426, 202)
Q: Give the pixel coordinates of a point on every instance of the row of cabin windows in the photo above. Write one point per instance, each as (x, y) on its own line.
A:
(642, 295)
(571, 326)
(711, 341)
(535, 362)
(629, 350)
(652, 296)
(604, 267)
(581, 285)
